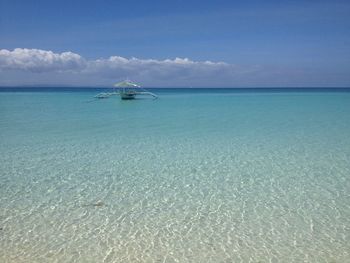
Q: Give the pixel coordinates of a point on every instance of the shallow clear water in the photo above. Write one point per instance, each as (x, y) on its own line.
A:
(196, 176)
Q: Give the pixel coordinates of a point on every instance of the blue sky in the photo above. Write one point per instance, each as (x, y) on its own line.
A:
(248, 43)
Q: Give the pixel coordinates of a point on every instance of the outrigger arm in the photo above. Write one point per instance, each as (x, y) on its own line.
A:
(148, 93)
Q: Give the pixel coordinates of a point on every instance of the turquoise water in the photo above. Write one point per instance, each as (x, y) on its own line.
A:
(195, 176)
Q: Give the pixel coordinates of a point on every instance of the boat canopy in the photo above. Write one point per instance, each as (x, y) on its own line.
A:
(126, 84)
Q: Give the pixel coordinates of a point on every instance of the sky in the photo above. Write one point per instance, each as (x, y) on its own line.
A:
(301, 43)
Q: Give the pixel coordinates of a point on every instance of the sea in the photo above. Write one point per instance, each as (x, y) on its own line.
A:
(197, 175)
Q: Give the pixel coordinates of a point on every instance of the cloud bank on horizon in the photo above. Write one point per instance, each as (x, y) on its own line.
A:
(178, 71)
(38, 62)
(23, 66)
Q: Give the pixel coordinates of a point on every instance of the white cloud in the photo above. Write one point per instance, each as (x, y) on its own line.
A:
(36, 60)
(178, 71)
(148, 69)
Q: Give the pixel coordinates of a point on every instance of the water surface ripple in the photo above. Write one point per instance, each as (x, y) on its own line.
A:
(191, 177)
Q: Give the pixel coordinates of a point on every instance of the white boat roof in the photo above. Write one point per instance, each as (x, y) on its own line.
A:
(126, 84)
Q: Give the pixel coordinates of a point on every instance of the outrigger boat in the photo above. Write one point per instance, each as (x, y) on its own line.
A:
(127, 91)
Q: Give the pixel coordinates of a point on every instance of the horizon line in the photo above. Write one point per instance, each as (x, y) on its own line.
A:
(181, 87)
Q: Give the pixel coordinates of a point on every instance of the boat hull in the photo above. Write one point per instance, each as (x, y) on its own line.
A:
(127, 96)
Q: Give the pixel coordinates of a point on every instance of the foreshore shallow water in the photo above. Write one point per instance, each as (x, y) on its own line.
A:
(194, 176)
